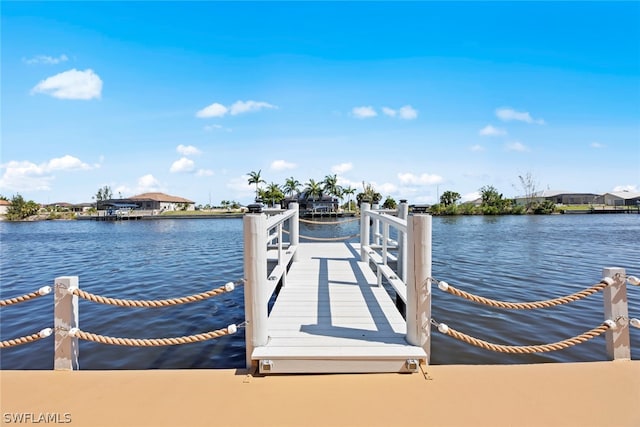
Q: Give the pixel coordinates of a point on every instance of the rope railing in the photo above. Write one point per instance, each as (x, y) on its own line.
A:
(344, 221)
(526, 349)
(230, 286)
(153, 342)
(26, 339)
(444, 286)
(26, 297)
(329, 239)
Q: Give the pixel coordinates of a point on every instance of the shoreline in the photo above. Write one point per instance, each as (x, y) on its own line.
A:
(41, 218)
(563, 394)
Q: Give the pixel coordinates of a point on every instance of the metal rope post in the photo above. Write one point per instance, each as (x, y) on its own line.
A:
(65, 318)
(615, 308)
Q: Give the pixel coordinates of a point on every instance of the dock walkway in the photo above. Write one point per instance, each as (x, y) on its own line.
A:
(331, 316)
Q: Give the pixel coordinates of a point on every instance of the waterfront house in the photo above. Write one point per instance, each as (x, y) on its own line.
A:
(622, 198)
(151, 201)
(319, 204)
(4, 206)
(69, 207)
(562, 198)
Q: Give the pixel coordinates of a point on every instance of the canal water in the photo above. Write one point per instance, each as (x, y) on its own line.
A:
(512, 258)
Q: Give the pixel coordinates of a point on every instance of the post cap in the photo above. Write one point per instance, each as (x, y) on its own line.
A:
(255, 208)
(403, 200)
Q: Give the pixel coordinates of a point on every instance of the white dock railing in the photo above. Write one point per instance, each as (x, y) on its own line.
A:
(412, 278)
(260, 232)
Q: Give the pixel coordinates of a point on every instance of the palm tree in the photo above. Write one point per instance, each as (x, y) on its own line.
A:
(255, 178)
(291, 186)
(349, 191)
(330, 185)
(274, 193)
(313, 189)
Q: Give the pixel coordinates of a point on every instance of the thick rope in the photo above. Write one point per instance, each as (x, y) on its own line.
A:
(152, 303)
(526, 349)
(152, 342)
(26, 339)
(329, 222)
(24, 298)
(329, 239)
(523, 305)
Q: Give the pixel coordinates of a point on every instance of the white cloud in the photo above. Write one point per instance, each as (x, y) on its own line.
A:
(509, 114)
(342, 168)
(385, 189)
(280, 165)
(516, 146)
(182, 165)
(44, 59)
(204, 172)
(407, 112)
(422, 179)
(241, 187)
(470, 196)
(66, 163)
(187, 150)
(240, 107)
(389, 111)
(24, 176)
(72, 84)
(28, 176)
(148, 183)
(489, 130)
(213, 110)
(476, 147)
(363, 112)
(625, 188)
(597, 145)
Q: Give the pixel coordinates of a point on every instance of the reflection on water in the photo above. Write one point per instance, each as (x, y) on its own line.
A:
(513, 258)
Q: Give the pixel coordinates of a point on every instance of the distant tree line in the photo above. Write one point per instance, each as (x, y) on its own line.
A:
(274, 193)
(492, 202)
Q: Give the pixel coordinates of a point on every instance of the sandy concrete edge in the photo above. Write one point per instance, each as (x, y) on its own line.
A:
(567, 394)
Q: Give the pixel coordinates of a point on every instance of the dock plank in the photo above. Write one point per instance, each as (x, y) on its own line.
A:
(333, 310)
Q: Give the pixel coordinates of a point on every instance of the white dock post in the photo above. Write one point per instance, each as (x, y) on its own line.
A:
(65, 314)
(255, 274)
(403, 213)
(401, 262)
(616, 309)
(376, 225)
(364, 231)
(294, 228)
(419, 282)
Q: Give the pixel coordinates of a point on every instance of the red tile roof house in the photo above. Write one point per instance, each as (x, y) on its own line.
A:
(161, 202)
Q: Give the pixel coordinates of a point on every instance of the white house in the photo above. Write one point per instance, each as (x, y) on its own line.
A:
(622, 198)
(4, 206)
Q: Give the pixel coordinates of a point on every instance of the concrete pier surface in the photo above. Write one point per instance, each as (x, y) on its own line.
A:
(562, 394)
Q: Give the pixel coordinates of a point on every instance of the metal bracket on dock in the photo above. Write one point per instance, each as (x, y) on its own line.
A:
(413, 365)
(266, 365)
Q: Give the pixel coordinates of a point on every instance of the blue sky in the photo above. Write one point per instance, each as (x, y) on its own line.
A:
(415, 98)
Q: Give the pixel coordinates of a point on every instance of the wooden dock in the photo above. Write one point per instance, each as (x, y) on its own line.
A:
(332, 316)
(331, 312)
